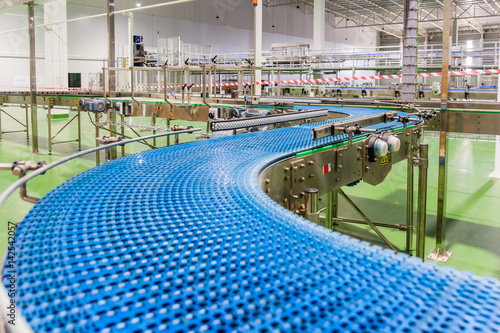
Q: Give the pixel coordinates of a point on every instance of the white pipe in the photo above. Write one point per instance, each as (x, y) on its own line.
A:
(175, 2)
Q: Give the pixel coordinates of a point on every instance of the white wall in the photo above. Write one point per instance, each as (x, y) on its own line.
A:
(15, 71)
(87, 39)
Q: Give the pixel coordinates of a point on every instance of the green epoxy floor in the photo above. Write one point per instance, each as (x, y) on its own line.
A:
(473, 232)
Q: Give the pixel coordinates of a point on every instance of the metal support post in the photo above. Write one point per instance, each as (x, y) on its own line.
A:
(130, 39)
(257, 48)
(209, 82)
(132, 89)
(1, 110)
(104, 84)
(168, 137)
(183, 89)
(34, 114)
(440, 253)
(49, 123)
(353, 66)
(112, 64)
(165, 83)
(153, 123)
(147, 84)
(422, 199)
(27, 122)
(278, 85)
(204, 87)
(367, 220)
(188, 77)
(312, 199)
(97, 153)
(240, 83)
(122, 132)
(332, 201)
(252, 81)
(409, 197)
(215, 83)
(79, 120)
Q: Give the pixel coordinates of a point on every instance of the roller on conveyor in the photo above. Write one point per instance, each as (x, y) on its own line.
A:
(183, 239)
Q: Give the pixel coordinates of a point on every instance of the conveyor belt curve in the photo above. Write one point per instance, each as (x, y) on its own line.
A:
(182, 239)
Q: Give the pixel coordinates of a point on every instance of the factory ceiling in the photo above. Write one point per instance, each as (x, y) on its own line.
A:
(385, 16)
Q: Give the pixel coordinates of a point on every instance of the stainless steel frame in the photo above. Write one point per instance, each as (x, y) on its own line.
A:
(25, 125)
(328, 169)
(51, 137)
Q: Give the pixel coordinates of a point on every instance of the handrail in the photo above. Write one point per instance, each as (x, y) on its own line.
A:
(21, 323)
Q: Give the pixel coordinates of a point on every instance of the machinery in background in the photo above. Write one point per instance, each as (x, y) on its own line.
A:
(436, 88)
(139, 52)
(236, 112)
(254, 120)
(92, 105)
(367, 90)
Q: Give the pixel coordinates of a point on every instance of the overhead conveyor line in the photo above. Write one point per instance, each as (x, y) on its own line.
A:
(232, 124)
(183, 239)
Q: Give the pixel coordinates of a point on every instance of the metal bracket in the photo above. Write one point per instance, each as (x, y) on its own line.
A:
(437, 255)
(107, 140)
(352, 126)
(20, 168)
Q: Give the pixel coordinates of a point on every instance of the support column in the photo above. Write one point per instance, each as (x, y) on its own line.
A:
(426, 44)
(409, 199)
(440, 253)
(56, 44)
(112, 74)
(240, 83)
(312, 197)
(410, 31)
(258, 45)
(111, 47)
(454, 33)
(319, 25)
(422, 199)
(332, 202)
(480, 60)
(130, 39)
(34, 114)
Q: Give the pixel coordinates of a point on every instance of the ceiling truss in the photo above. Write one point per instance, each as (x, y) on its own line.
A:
(387, 15)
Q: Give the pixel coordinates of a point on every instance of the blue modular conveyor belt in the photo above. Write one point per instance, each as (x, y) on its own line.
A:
(182, 239)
